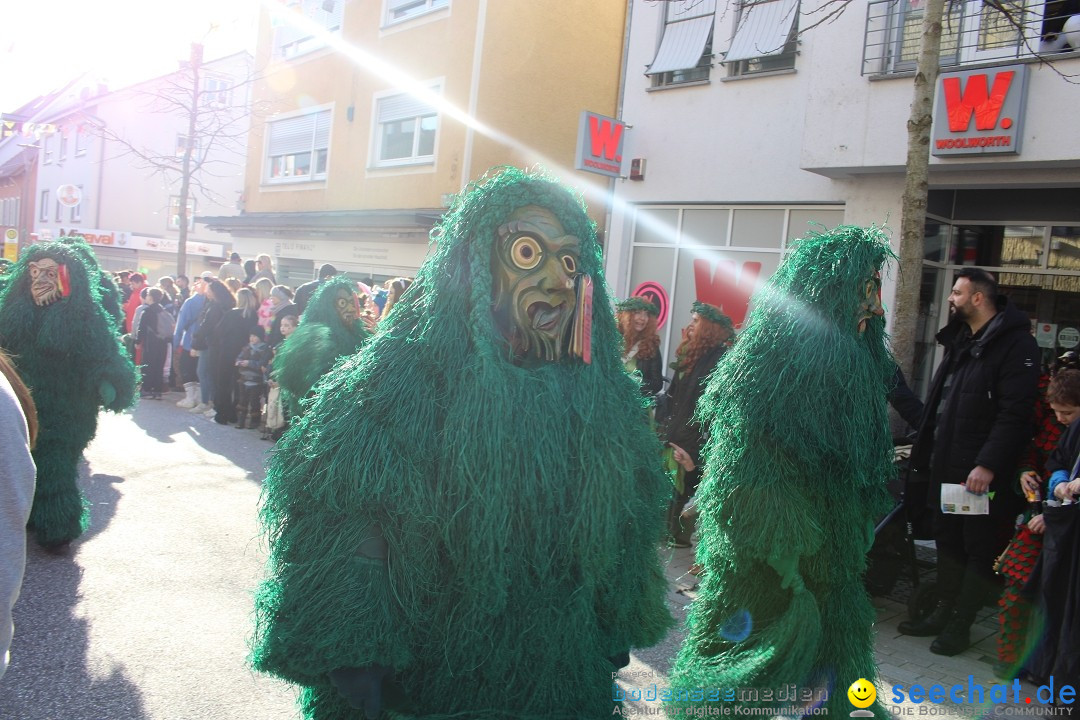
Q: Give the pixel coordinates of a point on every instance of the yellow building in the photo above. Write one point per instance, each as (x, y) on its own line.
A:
(376, 113)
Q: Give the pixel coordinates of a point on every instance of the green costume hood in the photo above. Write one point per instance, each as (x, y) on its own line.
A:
(521, 507)
(795, 475)
(317, 343)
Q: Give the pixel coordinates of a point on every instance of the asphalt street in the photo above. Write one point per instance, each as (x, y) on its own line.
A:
(148, 617)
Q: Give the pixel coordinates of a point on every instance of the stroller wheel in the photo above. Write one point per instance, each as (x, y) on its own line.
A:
(923, 600)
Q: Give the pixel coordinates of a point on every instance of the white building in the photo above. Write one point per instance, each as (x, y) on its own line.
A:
(110, 147)
(745, 132)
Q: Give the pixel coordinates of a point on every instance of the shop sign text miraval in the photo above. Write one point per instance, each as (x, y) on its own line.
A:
(980, 112)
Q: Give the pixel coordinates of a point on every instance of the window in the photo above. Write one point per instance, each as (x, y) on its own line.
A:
(216, 92)
(685, 52)
(76, 209)
(304, 26)
(46, 149)
(399, 10)
(972, 31)
(406, 129)
(297, 147)
(43, 207)
(62, 155)
(80, 141)
(765, 39)
(59, 210)
(174, 213)
(181, 146)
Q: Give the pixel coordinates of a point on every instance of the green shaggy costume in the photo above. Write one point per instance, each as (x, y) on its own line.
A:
(68, 353)
(478, 536)
(795, 475)
(317, 343)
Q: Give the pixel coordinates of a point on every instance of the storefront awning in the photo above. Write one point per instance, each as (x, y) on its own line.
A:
(763, 29)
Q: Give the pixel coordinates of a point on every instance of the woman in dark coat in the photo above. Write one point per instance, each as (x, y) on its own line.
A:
(230, 338)
(704, 342)
(218, 301)
(154, 347)
(636, 322)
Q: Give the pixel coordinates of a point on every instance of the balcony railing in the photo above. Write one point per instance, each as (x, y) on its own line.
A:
(973, 31)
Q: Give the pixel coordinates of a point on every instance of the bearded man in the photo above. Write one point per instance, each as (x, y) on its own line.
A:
(464, 523)
(66, 347)
(796, 467)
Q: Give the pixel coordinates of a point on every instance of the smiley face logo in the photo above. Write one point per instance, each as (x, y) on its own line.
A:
(862, 693)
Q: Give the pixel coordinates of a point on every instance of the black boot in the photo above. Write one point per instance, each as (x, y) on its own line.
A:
(956, 637)
(932, 624)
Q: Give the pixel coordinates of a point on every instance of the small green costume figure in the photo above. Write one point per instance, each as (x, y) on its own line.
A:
(66, 348)
(329, 329)
(796, 468)
(465, 521)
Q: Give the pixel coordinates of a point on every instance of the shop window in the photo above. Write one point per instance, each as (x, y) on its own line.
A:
(656, 226)
(766, 37)
(1016, 246)
(757, 228)
(1065, 248)
(705, 227)
(685, 53)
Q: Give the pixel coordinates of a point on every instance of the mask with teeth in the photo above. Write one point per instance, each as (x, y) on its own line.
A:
(46, 281)
(534, 266)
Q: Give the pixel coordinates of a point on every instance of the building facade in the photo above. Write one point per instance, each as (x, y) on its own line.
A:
(382, 111)
(754, 123)
(123, 153)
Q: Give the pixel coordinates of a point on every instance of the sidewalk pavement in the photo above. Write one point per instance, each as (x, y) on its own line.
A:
(902, 660)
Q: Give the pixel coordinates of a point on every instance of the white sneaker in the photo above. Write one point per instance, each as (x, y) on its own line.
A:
(200, 408)
(210, 413)
(185, 403)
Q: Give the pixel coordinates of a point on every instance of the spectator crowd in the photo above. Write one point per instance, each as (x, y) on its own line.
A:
(215, 337)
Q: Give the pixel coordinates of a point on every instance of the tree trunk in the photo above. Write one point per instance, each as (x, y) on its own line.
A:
(916, 185)
(185, 176)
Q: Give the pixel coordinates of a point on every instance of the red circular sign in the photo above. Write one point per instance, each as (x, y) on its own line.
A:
(655, 293)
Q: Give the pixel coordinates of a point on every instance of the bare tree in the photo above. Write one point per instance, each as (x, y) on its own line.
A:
(215, 144)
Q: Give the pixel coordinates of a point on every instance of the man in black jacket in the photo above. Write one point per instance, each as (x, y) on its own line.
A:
(305, 291)
(978, 419)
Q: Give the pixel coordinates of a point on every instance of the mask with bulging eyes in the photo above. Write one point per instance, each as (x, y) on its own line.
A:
(347, 306)
(48, 281)
(534, 267)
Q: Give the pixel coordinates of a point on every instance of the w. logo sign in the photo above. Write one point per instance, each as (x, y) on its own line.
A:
(991, 100)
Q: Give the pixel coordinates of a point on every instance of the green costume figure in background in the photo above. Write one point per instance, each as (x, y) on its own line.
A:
(66, 347)
(796, 468)
(329, 329)
(111, 298)
(465, 521)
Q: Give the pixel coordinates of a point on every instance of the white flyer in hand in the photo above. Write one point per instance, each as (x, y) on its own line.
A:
(955, 499)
